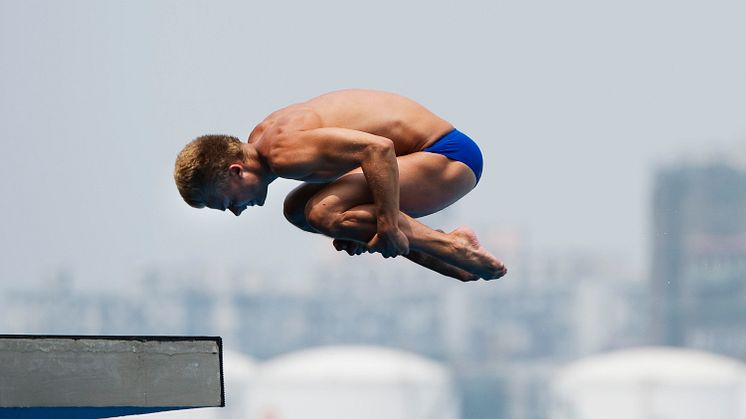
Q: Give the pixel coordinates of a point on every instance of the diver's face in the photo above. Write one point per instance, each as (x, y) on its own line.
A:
(242, 190)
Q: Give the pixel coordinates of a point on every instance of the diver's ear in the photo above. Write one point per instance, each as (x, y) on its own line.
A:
(235, 169)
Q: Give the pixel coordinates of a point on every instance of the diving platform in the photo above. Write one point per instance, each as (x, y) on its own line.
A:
(93, 377)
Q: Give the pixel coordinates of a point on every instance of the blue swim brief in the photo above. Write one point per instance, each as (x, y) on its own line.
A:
(457, 146)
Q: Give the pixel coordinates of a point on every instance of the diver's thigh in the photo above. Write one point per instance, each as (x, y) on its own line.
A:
(428, 182)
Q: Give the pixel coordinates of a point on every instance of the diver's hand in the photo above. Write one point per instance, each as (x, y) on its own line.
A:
(390, 242)
(352, 248)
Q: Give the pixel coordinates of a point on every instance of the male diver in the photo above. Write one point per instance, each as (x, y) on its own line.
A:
(370, 162)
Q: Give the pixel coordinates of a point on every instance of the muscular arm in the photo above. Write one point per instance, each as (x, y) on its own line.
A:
(326, 153)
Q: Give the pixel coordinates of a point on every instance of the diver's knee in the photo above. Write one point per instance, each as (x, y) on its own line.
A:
(296, 215)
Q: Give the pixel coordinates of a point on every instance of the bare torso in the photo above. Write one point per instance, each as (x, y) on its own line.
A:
(409, 125)
(357, 153)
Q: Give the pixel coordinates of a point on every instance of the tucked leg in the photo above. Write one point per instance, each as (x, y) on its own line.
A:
(428, 183)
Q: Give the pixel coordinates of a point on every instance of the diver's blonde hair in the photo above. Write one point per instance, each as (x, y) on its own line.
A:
(202, 166)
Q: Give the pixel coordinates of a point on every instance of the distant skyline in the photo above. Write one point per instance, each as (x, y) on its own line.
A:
(574, 104)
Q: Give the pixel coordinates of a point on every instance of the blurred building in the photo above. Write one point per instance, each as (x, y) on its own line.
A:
(502, 339)
(555, 306)
(651, 383)
(699, 257)
(354, 382)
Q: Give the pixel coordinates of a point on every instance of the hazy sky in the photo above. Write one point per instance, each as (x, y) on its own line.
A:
(574, 104)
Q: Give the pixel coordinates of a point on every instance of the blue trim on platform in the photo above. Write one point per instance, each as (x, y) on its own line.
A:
(79, 412)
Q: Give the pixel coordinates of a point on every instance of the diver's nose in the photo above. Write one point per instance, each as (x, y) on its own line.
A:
(237, 211)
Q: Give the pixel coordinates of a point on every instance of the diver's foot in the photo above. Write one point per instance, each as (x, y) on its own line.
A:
(472, 257)
(437, 265)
